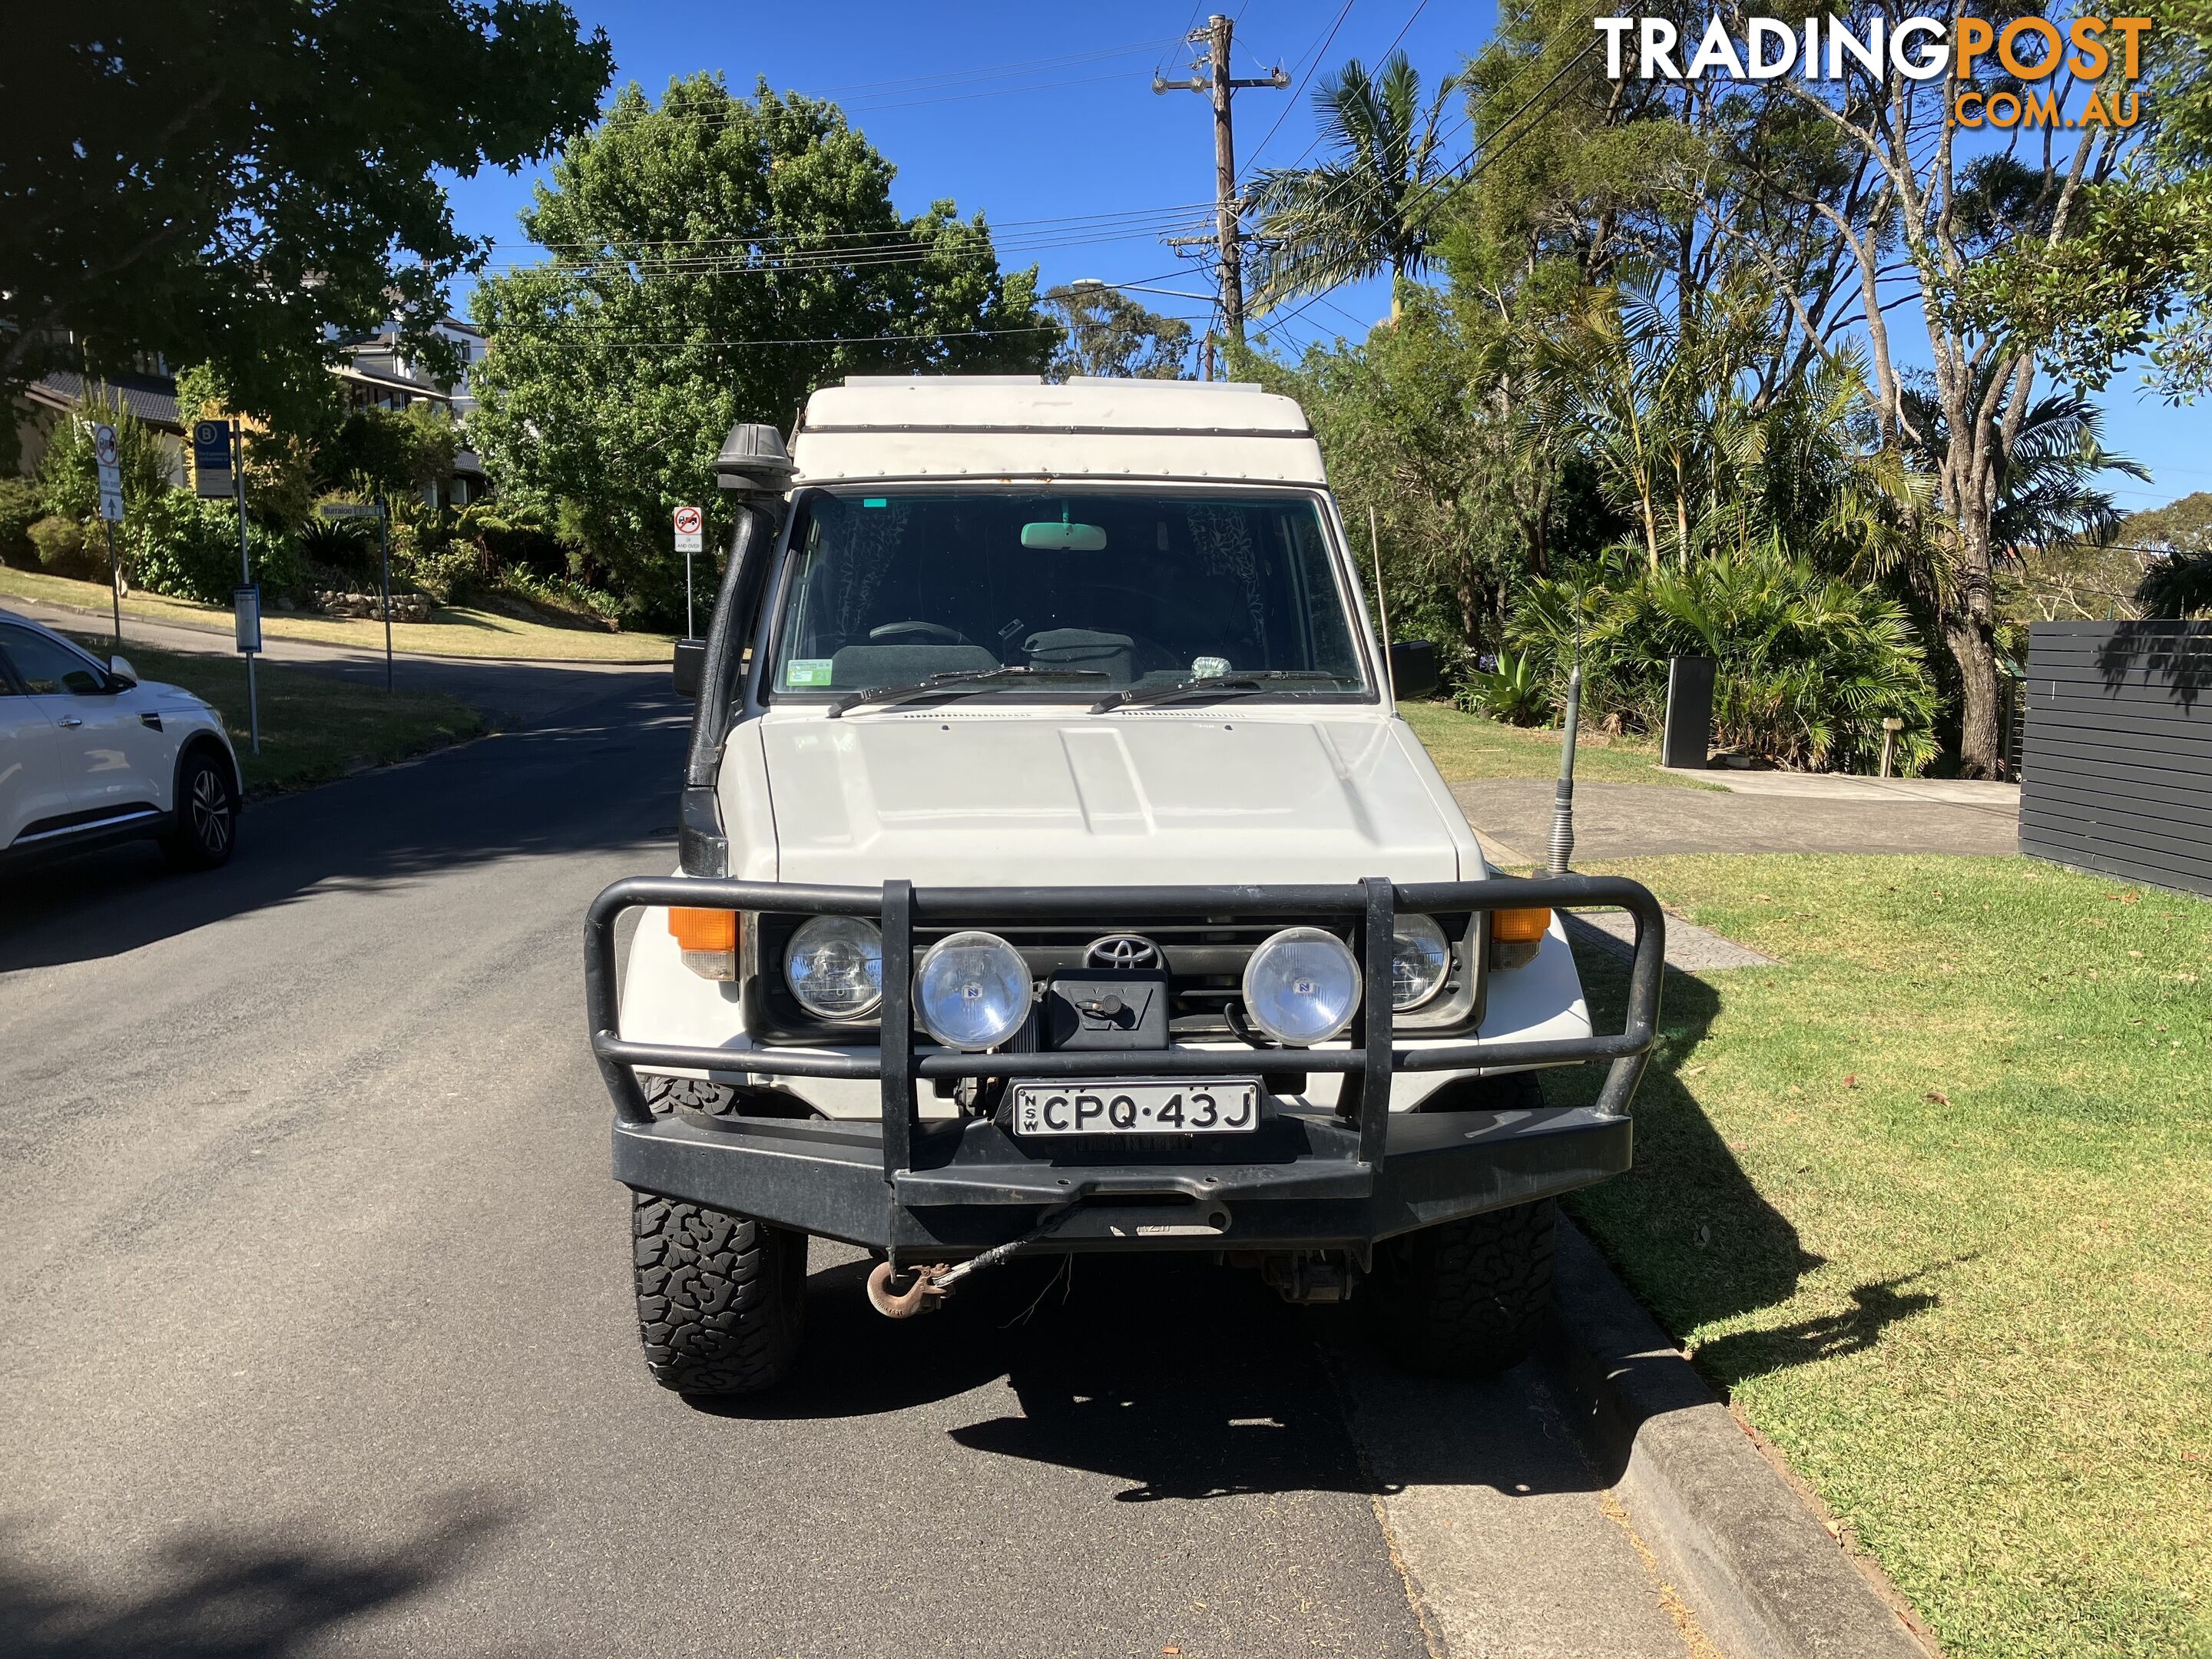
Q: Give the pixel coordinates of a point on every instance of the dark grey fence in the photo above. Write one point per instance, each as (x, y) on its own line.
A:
(2116, 766)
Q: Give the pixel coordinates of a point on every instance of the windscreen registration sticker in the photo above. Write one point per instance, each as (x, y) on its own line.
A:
(806, 670)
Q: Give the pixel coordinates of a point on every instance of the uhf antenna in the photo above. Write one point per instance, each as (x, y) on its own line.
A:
(1563, 796)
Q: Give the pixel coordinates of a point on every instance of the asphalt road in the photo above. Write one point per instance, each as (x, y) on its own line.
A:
(316, 1332)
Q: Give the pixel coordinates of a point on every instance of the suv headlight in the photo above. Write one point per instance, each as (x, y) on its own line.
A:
(1421, 957)
(1302, 985)
(972, 991)
(835, 967)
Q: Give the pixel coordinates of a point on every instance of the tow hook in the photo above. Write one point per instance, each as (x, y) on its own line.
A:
(1310, 1278)
(931, 1285)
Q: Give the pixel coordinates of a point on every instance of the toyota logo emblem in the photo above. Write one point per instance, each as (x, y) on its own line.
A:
(1123, 951)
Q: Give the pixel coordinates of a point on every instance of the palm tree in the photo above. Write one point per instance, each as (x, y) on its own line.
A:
(2044, 479)
(1369, 207)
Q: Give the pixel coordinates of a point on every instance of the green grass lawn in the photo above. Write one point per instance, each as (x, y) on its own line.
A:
(451, 631)
(314, 727)
(1465, 745)
(1932, 1204)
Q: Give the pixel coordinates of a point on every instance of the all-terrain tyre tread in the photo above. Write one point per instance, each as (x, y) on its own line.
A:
(721, 1298)
(663, 1094)
(1467, 1298)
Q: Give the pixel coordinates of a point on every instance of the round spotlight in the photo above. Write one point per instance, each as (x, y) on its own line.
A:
(972, 991)
(1302, 985)
(1420, 957)
(835, 967)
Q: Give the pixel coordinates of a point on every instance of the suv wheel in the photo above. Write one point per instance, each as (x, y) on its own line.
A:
(206, 828)
(1466, 1299)
(721, 1298)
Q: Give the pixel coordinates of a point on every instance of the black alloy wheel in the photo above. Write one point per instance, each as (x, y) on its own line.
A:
(206, 829)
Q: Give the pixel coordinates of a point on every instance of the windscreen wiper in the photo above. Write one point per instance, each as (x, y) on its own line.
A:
(956, 682)
(1218, 685)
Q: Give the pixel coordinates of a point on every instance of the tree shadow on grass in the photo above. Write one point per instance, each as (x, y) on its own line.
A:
(1687, 1228)
(229, 1595)
(1875, 1308)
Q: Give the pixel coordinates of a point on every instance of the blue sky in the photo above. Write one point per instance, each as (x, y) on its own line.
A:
(1078, 135)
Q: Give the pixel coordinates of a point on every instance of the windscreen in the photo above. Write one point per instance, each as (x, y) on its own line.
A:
(1097, 592)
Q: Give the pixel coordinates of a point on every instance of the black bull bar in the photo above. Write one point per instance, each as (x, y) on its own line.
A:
(1306, 1179)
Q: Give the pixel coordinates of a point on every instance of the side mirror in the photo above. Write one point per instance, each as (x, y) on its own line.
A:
(1413, 667)
(691, 666)
(121, 668)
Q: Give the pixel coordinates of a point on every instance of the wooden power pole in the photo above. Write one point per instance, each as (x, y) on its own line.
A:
(1226, 208)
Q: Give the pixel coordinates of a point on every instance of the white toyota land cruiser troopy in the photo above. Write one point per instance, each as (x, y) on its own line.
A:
(1058, 876)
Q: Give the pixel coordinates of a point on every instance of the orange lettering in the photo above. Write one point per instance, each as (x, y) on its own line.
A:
(2009, 57)
(2133, 29)
(2094, 56)
(1975, 35)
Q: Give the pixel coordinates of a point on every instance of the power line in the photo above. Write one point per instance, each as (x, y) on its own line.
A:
(582, 343)
(899, 233)
(952, 76)
(1473, 168)
(1319, 52)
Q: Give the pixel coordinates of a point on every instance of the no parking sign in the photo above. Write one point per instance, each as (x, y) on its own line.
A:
(690, 529)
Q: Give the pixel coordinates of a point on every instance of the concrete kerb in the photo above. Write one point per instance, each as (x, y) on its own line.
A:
(1761, 1573)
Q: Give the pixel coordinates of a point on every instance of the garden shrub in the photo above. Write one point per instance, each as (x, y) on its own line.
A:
(19, 508)
(188, 549)
(1515, 691)
(1809, 665)
(62, 550)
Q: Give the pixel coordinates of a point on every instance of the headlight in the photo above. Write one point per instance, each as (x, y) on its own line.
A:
(1302, 985)
(972, 991)
(835, 967)
(1419, 958)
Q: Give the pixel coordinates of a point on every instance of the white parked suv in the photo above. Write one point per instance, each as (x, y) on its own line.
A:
(90, 754)
(1058, 875)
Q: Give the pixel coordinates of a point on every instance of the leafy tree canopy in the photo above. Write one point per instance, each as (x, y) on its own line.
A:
(1110, 334)
(715, 259)
(228, 181)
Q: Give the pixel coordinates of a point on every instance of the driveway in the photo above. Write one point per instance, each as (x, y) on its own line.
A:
(1751, 812)
(319, 1336)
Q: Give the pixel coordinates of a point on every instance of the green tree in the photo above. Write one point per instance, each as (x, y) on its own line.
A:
(231, 184)
(1371, 206)
(715, 259)
(388, 452)
(1107, 333)
(68, 474)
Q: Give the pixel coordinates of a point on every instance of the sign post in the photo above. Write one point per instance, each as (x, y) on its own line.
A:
(381, 512)
(111, 512)
(690, 539)
(246, 600)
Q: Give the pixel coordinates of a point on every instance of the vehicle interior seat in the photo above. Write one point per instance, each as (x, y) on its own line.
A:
(860, 667)
(1111, 654)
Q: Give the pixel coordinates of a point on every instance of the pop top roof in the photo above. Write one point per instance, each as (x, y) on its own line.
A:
(1009, 426)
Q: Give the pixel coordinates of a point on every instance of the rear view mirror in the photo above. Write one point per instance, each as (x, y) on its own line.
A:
(691, 666)
(1412, 667)
(1049, 538)
(121, 668)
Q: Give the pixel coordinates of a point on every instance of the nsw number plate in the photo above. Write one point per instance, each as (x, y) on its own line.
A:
(1207, 1106)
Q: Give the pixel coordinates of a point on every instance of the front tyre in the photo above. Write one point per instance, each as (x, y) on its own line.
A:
(721, 1298)
(1468, 1298)
(206, 827)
